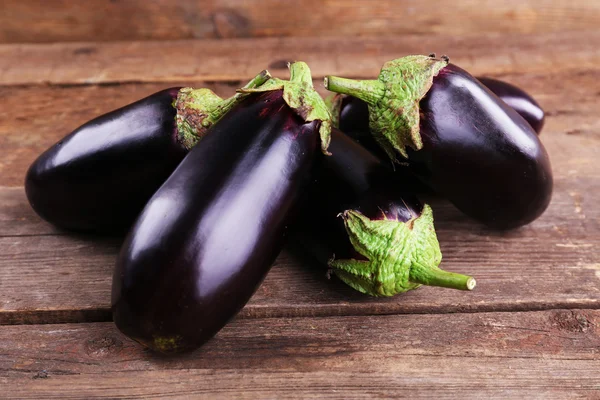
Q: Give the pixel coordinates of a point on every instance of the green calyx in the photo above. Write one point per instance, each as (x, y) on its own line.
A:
(393, 99)
(334, 105)
(199, 109)
(301, 96)
(400, 256)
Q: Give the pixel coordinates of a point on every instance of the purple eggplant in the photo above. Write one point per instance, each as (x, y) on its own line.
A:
(385, 242)
(521, 101)
(352, 114)
(99, 177)
(459, 138)
(209, 235)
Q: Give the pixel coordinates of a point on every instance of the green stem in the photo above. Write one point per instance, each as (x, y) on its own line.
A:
(438, 277)
(370, 91)
(230, 102)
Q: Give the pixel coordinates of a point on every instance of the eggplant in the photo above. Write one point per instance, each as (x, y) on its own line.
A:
(99, 177)
(352, 114)
(458, 138)
(519, 100)
(385, 241)
(209, 235)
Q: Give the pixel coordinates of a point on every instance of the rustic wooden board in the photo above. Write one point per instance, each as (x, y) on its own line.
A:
(204, 60)
(551, 263)
(33, 118)
(535, 355)
(102, 20)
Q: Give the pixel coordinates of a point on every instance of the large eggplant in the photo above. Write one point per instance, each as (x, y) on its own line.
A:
(99, 177)
(458, 137)
(385, 242)
(208, 236)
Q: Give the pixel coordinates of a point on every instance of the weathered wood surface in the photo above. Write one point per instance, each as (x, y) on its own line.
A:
(533, 355)
(239, 59)
(552, 263)
(302, 335)
(106, 20)
(34, 117)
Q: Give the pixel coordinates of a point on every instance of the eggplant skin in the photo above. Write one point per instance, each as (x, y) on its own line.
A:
(210, 234)
(519, 100)
(99, 177)
(480, 153)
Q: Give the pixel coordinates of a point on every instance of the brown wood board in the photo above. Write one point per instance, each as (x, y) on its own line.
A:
(110, 20)
(551, 263)
(240, 59)
(539, 355)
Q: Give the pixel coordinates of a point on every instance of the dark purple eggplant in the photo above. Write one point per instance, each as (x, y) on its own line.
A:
(208, 236)
(385, 242)
(458, 137)
(521, 101)
(351, 114)
(99, 177)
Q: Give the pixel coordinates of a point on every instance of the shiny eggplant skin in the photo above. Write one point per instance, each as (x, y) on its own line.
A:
(481, 154)
(521, 101)
(209, 235)
(99, 177)
(351, 178)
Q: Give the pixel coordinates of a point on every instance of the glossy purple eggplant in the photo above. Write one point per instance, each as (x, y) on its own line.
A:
(353, 113)
(519, 100)
(459, 138)
(209, 235)
(99, 177)
(385, 242)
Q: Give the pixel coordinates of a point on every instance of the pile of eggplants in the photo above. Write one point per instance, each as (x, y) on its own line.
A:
(210, 189)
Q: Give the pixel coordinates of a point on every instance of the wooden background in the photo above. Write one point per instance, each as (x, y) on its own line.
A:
(529, 330)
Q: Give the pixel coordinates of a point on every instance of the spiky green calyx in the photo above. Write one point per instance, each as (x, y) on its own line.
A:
(200, 109)
(302, 97)
(393, 99)
(400, 256)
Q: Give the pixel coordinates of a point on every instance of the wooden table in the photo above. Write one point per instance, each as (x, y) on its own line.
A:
(529, 330)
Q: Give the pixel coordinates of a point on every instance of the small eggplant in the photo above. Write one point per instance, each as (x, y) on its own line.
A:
(458, 137)
(521, 101)
(99, 177)
(209, 235)
(385, 242)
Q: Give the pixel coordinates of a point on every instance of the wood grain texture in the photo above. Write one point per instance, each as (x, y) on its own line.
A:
(240, 59)
(551, 263)
(538, 355)
(34, 118)
(109, 20)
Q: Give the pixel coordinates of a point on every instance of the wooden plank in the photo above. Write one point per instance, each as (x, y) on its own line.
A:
(551, 263)
(533, 355)
(106, 20)
(33, 118)
(204, 60)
